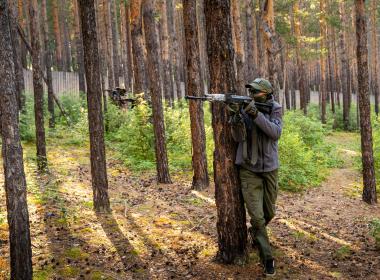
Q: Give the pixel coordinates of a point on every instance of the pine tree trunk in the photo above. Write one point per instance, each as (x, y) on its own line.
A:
(369, 179)
(137, 47)
(374, 55)
(123, 49)
(202, 45)
(231, 224)
(79, 45)
(167, 81)
(57, 34)
(251, 46)
(345, 70)
(48, 63)
(66, 37)
(129, 46)
(272, 44)
(198, 135)
(115, 43)
(300, 65)
(241, 66)
(37, 87)
(19, 74)
(108, 45)
(322, 58)
(152, 43)
(14, 176)
(22, 23)
(330, 67)
(94, 103)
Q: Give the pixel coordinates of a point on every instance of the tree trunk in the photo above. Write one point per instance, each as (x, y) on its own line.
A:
(231, 224)
(129, 46)
(241, 66)
(22, 23)
(94, 103)
(251, 45)
(137, 47)
(115, 43)
(198, 135)
(374, 55)
(202, 46)
(330, 66)
(123, 50)
(322, 58)
(37, 87)
(272, 44)
(49, 78)
(108, 43)
(152, 43)
(171, 8)
(66, 37)
(369, 179)
(300, 65)
(79, 44)
(167, 80)
(345, 70)
(57, 34)
(14, 176)
(19, 74)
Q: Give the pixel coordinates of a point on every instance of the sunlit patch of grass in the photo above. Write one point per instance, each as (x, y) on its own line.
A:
(98, 275)
(43, 274)
(88, 204)
(336, 274)
(68, 271)
(76, 253)
(196, 201)
(208, 252)
(343, 252)
(86, 230)
(355, 191)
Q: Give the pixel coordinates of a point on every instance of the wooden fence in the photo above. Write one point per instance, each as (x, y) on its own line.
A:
(63, 82)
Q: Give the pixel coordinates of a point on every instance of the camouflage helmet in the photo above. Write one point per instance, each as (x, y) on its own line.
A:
(261, 85)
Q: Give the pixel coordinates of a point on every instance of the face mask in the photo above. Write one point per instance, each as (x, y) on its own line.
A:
(260, 99)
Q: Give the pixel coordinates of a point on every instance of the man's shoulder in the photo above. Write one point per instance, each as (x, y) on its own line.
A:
(276, 107)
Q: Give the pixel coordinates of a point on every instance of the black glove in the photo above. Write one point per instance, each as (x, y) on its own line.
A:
(251, 109)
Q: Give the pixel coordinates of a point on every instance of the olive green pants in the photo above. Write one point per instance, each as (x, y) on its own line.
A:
(260, 194)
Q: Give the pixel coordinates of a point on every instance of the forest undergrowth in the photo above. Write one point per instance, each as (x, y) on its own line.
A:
(168, 231)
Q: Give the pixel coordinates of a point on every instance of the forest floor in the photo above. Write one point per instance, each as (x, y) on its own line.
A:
(169, 231)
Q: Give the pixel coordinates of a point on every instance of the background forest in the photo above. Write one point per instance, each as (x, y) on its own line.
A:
(148, 161)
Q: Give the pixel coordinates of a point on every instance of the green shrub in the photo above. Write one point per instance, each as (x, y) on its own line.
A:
(375, 231)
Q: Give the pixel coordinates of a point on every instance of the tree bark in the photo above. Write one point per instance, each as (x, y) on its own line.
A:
(152, 43)
(374, 55)
(37, 87)
(322, 59)
(129, 46)
(94, 103)
(14, 176)
(167, 80)
(79, 45)
(251, 46)
(241, 66)
(272, 44)
(20, 85)
(115, 43)
(345, 70)
(57, 34)
(231, 224)
(137, 47)
(369, 179)
(48, 63)
(300, 65)
(108, 43)
(198, 135)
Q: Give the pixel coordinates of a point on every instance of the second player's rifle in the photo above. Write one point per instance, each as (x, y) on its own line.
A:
(232, 99)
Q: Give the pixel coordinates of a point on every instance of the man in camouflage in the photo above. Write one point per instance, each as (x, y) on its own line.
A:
(257, 132)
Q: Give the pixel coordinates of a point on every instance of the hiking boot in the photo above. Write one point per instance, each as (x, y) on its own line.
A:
(269, 268)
